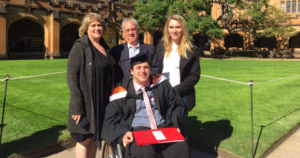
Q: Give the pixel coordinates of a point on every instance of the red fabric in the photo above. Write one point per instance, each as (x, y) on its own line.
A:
(155, 78)
(118, 90)
(146, 137)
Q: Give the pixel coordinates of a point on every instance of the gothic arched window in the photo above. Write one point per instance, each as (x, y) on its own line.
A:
(294, 7)
(288, 7)
(282, 6)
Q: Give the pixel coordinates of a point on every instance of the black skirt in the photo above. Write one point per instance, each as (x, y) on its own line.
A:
(78, 137)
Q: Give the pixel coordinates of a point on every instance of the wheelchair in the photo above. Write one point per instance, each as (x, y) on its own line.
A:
(116, 150)
(112, 151)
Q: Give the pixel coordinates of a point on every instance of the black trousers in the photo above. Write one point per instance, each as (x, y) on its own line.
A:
(166, 150)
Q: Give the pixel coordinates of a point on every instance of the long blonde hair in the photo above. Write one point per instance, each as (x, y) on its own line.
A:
(87, 20)
(185, 43)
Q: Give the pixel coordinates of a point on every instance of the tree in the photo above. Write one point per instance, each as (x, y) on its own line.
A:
(152, 14)
(257, 18)
(128, 2)
(278, 25)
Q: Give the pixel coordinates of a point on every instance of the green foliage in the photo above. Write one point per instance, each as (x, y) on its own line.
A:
(256, 13)
(128, 2)
(152, 14)
(260, 19)
(279, 25)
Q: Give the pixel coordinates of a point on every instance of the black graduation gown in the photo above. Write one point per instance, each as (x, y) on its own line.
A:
(119, 113)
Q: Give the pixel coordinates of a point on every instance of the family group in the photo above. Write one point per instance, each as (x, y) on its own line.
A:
(131, 87)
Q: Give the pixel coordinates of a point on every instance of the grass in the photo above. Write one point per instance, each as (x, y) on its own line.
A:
(21, 68)
(222, 116)
(36, 112)
(37, 108)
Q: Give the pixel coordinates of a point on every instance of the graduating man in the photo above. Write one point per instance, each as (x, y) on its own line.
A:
(132, 47)
(144, 102)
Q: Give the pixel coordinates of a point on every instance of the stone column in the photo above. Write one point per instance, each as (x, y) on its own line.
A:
(3, 37)
(121, 37)
(248, 41)
(121, 41)
(148, 38)
(53, 51)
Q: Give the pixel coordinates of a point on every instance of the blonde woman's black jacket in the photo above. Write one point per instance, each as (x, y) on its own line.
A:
(189, 73)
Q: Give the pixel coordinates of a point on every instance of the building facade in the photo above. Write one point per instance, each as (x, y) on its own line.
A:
(243, 41)
(48, 28)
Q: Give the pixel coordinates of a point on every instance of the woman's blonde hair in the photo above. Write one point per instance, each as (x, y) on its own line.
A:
(87, 20)
(185, 43)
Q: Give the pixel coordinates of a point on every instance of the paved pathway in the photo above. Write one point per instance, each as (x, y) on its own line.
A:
(70, 153)
(289, 148)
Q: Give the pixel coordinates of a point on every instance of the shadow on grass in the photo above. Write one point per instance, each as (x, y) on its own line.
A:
(2, 125)
(208, 134)
(262, 127)
(223, 118)
(282, 117)
(34, 113)
(34, 142)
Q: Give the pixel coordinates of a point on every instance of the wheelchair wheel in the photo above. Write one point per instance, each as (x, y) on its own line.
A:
(107, 151)
(112, 151)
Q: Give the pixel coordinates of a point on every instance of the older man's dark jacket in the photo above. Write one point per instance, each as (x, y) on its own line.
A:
(121, 56)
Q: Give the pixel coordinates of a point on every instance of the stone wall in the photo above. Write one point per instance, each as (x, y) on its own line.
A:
(53, 16)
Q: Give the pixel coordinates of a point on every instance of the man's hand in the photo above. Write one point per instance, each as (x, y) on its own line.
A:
(128, 138)
(178, 130)
(76, 118)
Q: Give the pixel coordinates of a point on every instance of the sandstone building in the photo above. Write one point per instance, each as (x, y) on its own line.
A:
(48, 28)
(241, 41)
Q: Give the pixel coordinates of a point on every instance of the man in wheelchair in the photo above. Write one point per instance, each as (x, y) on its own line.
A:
(144, 102)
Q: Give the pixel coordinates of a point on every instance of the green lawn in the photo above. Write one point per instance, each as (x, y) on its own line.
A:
(222, 116)
(37, 108)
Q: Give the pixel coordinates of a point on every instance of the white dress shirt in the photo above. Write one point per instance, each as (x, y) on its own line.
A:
(171, 67)
(133, 51)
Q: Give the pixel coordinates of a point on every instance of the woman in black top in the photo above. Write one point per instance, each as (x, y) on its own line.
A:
(178, 59)
(90, 80)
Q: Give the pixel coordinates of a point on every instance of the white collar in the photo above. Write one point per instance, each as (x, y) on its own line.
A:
(138, 45)
(120, 92)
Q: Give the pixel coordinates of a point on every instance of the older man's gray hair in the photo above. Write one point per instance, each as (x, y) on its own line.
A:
(128, 19)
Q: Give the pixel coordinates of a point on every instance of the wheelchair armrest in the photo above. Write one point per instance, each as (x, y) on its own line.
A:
(119, 150)
(113, 150)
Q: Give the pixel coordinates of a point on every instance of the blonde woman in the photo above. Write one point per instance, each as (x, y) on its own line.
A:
(178, 60)
(90, 79)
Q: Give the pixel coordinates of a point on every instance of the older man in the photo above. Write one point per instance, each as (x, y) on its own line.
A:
(144, 102)
(132, 47)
